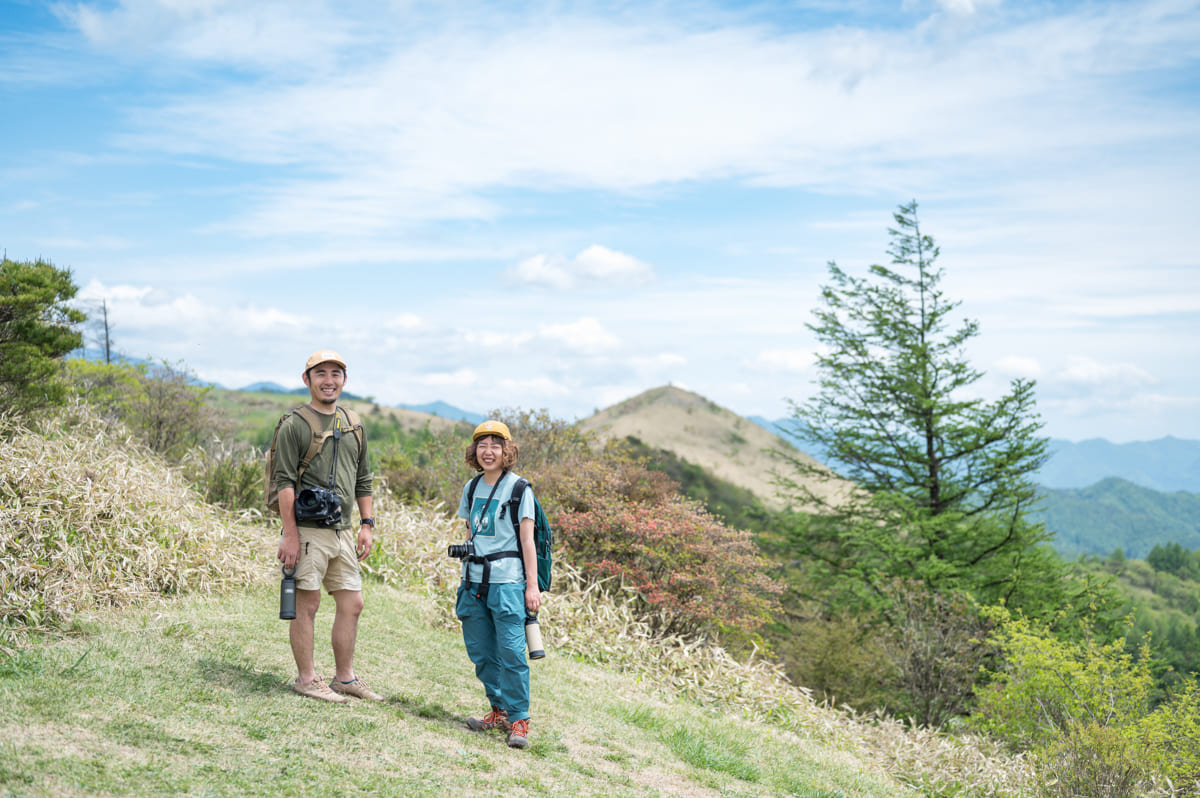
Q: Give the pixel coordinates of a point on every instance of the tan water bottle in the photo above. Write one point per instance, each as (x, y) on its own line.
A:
(533, 637)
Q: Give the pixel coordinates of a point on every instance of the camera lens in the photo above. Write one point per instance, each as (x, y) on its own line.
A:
(459, 551)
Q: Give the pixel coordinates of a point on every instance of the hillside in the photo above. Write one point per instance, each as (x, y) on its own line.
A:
(184, 689)
(1115, 513)
(253, 414)
(703, 433)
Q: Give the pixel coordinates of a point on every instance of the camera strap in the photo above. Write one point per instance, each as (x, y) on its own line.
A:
(492, 495)
(486, 562)
(337, 438)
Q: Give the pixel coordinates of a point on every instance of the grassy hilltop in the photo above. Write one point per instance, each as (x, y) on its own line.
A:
(150, 662)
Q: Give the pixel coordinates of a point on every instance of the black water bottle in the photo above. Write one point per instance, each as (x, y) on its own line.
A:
(533, 637)
(287, 595)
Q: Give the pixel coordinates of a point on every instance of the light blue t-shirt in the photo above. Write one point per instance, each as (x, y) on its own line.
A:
(493, 533)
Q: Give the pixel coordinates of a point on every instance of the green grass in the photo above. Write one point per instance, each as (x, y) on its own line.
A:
(190, 696)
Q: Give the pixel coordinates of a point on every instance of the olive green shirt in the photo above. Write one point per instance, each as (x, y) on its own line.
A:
(353, 477)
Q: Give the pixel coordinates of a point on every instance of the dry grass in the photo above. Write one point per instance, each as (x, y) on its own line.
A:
(89, 517)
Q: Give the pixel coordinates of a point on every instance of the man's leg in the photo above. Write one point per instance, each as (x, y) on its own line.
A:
(300, 633)
(349, 605)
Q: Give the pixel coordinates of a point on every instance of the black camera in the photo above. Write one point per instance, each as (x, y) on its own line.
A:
(320, 505)
(461, 551)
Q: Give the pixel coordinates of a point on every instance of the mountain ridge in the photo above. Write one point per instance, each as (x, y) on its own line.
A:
(703, 433)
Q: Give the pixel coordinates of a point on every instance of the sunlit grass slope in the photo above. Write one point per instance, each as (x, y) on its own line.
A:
(180, 685)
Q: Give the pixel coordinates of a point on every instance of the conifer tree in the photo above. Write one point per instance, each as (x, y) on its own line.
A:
(36, 329)
(943, 479)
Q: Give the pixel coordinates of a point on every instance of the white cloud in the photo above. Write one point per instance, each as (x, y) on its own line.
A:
(659, 361)
(404, 322)
(498, 339)
(1019, 367)
(419, 116)
(1110, 376)
(595, 266)
(457, 379)
(793, 360)
(967, 7)
(586, 336)
(283, 33)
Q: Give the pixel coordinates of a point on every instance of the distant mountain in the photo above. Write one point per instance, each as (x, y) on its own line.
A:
(274, 387)
(444, 410)
(270, 387)
(97, 355)
(1167, 464)
(116, 358)
(1115, 513)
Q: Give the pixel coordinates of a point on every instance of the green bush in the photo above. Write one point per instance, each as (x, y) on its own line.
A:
(1089, 713)
(228, 474)
(1091, 759)
(839, 658)
(427, 468)
(161, 403)
(1047, 686)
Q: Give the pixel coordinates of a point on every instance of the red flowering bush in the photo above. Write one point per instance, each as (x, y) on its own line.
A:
(692, 574)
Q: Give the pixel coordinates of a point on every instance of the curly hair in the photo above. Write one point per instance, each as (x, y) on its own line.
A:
(508, 460)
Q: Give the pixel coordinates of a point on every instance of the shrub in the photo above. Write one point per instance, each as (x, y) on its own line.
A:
(840, 658)
(161, 403)
(227, 474)
(427, 468)
(936, 644)
(1170, 737)
(1047, 686)
(1093, 760)
(1088, 712)
(691, 574)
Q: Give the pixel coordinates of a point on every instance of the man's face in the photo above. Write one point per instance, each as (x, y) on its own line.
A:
(325, 382)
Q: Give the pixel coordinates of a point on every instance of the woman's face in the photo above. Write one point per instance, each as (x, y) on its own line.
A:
(489, 453)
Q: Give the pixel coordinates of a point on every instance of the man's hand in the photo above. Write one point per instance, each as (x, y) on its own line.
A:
(289, 550)
(365, 543)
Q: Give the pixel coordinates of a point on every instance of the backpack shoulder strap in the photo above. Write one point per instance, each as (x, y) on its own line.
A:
(317, 440)
(356, 426)
(514, 504)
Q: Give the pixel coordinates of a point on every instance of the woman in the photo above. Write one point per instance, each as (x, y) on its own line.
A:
(495, 595)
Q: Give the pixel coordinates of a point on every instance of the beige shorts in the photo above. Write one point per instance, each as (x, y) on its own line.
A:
(328, 559)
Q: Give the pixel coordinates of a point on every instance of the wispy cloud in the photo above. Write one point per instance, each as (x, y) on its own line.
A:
(419, 126)
(595, 266)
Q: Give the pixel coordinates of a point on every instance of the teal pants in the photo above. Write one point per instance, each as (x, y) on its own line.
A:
(494, 633)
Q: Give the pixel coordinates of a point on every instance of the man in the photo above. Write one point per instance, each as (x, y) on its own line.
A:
(322, 549)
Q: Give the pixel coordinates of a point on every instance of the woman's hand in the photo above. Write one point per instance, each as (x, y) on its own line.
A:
(533, 599)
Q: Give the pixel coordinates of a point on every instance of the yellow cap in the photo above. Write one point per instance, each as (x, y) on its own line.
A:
(490, 427)
(324, 356)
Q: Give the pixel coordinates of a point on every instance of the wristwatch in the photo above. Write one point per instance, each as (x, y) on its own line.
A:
(369, 522)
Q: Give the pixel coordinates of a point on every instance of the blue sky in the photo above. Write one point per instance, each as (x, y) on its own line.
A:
(560, 205)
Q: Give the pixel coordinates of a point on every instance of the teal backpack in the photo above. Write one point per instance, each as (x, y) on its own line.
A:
(543, 535)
